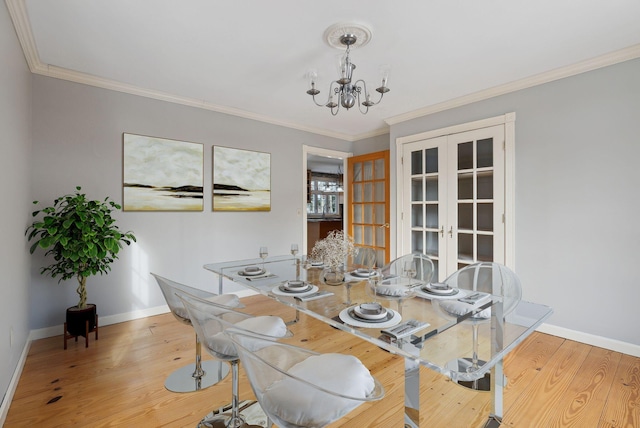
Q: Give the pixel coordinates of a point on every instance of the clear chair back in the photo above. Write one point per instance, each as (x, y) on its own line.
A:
(293, 401)
(169, 288)
(492, 278)
(423, 265)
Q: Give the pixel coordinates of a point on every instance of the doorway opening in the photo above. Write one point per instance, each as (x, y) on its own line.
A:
(324, 194)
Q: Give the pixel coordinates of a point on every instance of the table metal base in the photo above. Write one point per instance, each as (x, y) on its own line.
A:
(182, 380)
(250, 412)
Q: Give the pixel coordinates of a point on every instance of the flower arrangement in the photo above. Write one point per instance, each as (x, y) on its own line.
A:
(334, 249)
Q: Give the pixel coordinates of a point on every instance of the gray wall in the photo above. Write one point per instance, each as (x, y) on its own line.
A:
(77, 140)
(370, 145)
(15, 111)
(577, 187)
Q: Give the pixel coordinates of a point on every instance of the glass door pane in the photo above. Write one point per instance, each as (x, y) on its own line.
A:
(425, 208)
(368, 199)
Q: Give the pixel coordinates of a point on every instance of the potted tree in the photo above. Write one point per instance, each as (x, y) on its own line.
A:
(84, 240)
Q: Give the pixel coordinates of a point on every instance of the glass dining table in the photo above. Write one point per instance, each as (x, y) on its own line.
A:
(413, 328)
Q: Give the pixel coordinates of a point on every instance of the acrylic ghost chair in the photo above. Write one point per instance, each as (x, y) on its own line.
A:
(297, 387)
(484, 278)
(412, 269)
(210, 322)
(202, 374)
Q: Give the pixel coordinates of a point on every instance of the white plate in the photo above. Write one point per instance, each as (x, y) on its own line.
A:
(279, 292)
(396, 318)
(251, 271)
(441, 291)
(362, 314)
(296, 286)
(363, 273)
(432, 296)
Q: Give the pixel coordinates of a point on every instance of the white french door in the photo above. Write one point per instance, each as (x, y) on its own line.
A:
(453, 198)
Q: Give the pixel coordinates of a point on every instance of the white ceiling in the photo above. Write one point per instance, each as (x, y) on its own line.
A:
(250, 57)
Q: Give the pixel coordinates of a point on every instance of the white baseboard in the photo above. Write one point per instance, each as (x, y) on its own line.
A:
(56, 330)
(8, 396)
(591, 339)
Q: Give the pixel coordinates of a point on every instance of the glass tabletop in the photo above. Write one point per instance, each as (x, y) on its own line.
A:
(435, 340)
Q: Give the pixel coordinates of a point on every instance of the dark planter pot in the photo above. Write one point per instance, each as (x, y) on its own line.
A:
(81, 322)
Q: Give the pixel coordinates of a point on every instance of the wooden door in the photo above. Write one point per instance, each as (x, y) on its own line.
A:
(368, 202)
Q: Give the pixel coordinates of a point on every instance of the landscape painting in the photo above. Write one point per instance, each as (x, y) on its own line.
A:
(162, 175)
(241, 180)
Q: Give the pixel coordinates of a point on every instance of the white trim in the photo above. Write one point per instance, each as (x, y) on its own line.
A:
(510, 190)
(591, 339)
(319, 151)
(508, 120)
(456, 129)
(42, 333)
(13, 384)
(615, 57)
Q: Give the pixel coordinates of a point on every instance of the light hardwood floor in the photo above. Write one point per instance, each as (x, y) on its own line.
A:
(118, 381)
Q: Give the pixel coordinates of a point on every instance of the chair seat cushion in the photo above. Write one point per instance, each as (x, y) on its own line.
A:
(456, 309)
(230, 300)
(301, 404)
(267, 325)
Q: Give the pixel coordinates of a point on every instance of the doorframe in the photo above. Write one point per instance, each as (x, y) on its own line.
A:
(319, 151)
(508, 120)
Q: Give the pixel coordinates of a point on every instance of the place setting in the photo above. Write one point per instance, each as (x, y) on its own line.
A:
(370, 315)
(362, 274)
(439, 290)
(294, 288)
(252, 273)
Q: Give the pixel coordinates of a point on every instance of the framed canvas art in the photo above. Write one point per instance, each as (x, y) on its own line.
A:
(161, 174)
(241, 180)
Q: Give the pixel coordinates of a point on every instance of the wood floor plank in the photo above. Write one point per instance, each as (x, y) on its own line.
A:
(523, 364)
(582, 403)
(622, 409)
(443, 403)
(551, 385)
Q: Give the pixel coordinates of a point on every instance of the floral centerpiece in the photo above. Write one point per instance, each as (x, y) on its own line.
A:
(334, 251)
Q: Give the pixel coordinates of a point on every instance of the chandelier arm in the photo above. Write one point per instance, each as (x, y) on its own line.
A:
(366, 93)
(317, 103)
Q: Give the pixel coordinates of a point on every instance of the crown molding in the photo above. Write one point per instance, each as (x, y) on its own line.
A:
(20, 18)
(626, 54)
(18, 14)
(101, 82)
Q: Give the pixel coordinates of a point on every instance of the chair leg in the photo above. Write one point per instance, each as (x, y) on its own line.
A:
(231, 419)
(190, 378)
(198, 372)
(236, 420)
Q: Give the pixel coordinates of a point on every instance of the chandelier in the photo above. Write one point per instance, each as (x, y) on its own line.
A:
(345, 91)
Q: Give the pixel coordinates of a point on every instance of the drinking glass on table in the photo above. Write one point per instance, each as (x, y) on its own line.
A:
(264, 252)
(374, 280)
(294, 251)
